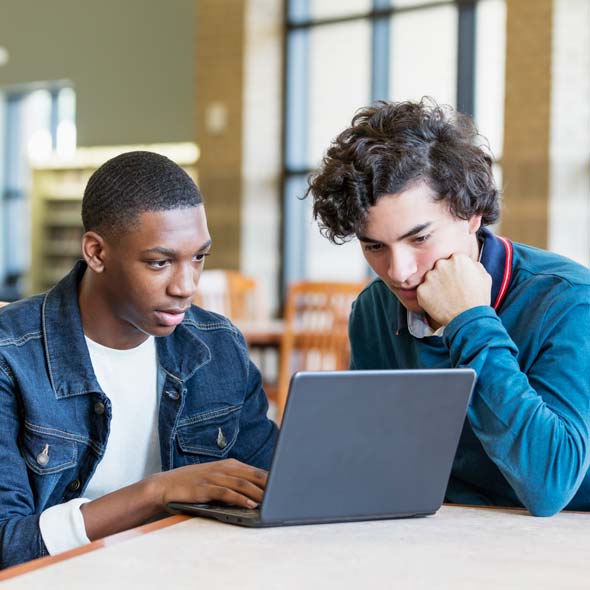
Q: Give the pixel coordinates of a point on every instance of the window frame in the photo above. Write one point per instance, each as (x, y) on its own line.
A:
(296, 91)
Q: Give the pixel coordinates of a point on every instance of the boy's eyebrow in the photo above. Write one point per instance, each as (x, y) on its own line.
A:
(172, 253)
(368, 240)
(205, 246)
(415, 230)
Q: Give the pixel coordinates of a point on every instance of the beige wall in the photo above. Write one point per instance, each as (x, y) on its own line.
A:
(527, 113)
(569, 212)
(220, 80)
(131, 62)
(547, 126)
(238, 121)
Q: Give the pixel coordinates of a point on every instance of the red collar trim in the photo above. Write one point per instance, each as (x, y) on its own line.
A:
(507, 272)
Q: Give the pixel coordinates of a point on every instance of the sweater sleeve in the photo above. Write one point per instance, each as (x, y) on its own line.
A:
(533, 422)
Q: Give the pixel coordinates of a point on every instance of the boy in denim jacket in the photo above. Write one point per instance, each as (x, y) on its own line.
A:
(117, 395)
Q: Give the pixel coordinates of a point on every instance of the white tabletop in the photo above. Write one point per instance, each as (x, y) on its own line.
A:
(473, 548)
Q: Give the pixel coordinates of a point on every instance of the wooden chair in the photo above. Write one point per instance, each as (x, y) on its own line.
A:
(235, 296)
(227, 292)
(315, 337)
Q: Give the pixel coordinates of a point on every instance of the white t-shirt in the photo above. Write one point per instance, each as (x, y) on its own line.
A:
(129, 379)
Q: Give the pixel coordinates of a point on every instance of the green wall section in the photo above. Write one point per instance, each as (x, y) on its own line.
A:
(131, 63)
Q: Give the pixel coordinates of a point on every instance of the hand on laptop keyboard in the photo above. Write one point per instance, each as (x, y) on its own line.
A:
(228, 482)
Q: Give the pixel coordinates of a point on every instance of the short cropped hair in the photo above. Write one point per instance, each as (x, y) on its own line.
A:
(131, 184)
(388, 148)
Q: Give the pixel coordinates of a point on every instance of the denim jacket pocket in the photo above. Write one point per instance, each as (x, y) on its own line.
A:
(211, 434)
(46, 454)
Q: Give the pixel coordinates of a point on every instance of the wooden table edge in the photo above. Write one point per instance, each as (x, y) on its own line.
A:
(29, 566)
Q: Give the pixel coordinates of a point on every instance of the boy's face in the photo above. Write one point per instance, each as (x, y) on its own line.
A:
(406, 233)
(151, 272)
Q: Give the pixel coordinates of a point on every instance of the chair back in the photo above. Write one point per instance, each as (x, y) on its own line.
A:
(227, 292)
(315, 337)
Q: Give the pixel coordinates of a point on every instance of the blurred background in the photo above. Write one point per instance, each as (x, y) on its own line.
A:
(248, 95)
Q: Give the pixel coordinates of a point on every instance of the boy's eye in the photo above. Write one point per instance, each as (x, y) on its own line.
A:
(421, 239)
(201, 257)
(158, 263)
(373, 247)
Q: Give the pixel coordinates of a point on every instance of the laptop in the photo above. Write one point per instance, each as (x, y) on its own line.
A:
(359, 445)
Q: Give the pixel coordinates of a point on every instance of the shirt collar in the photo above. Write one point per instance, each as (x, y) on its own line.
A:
(497, 259)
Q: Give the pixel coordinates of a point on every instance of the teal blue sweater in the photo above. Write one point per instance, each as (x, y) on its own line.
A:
(526, 438)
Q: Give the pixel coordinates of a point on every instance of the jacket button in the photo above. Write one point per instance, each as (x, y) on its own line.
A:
(99, 408)
(172, 394)
(43, 456)
(74, 485)
(221, 441)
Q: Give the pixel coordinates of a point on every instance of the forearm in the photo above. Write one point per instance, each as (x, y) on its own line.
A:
(227, 481)
(123, 509)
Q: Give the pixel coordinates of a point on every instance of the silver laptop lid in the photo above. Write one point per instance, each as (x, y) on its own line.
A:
(358, 444)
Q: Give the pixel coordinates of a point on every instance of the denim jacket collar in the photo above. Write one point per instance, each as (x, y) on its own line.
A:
(68, 361)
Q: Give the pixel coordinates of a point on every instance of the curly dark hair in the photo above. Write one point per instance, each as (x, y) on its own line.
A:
(390, 146)
(133, 183)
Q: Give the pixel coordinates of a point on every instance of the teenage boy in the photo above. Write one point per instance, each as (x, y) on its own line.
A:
(116, 394)
(414, 184)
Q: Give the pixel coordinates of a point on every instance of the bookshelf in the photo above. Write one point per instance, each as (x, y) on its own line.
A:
(56, 199)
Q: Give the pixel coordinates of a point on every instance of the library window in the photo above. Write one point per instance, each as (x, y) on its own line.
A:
(343, 56)
(36, 124)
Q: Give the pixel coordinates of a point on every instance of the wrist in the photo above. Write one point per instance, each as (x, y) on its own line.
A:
(154, 492)
(455, 313)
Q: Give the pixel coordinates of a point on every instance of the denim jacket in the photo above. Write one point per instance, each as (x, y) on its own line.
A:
(54, 417)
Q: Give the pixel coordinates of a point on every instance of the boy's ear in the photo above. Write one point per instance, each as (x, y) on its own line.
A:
(93, 251)
(474, 224)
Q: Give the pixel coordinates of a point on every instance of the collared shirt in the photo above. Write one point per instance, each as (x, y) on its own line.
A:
(419, 327)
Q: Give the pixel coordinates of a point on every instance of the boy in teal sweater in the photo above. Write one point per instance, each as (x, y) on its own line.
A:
(412, 182)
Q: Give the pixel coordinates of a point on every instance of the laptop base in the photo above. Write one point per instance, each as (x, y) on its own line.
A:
(251, 518)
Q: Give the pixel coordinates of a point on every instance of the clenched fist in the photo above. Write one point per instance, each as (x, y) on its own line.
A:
(453, 286)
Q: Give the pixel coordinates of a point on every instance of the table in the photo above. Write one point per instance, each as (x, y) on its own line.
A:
(460, 547)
